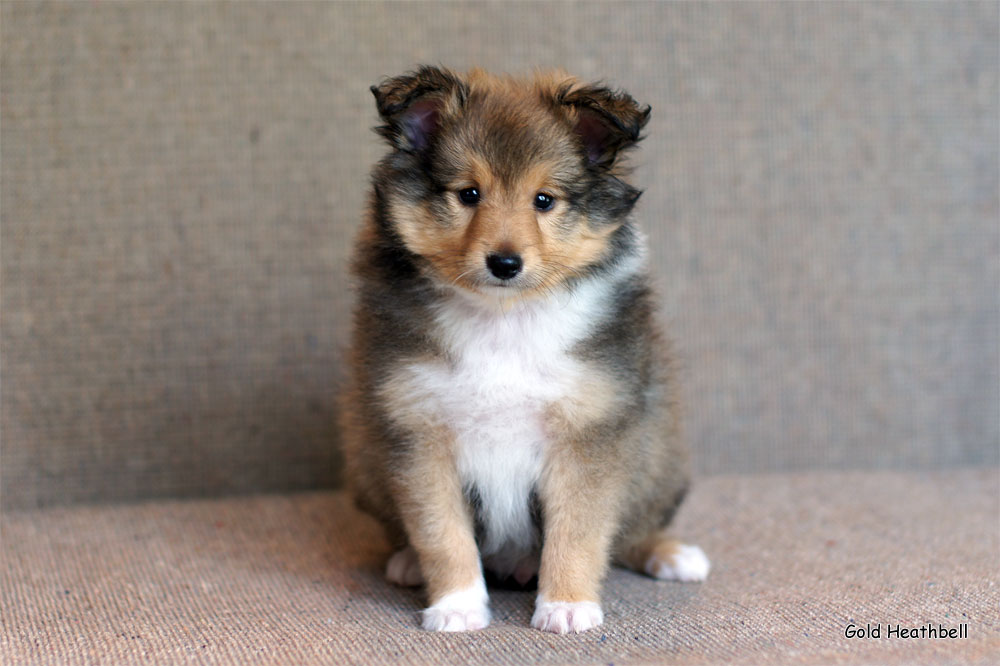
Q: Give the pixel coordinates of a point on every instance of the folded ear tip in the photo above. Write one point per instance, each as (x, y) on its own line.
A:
(412, 105)
(642, 114)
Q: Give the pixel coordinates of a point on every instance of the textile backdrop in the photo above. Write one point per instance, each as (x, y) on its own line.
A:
(181, 183)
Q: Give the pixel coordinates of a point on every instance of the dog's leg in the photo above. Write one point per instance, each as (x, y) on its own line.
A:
(665, 558)
(580, 509)
(440, 529)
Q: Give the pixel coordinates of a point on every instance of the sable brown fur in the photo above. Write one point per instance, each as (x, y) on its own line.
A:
(608, 463)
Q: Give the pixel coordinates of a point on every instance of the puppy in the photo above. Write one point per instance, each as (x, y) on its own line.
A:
(511, 405)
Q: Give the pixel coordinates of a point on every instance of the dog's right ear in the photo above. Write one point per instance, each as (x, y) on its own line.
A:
(413, 106)
(606, 121)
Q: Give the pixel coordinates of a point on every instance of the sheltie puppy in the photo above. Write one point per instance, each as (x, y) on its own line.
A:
(511, 405)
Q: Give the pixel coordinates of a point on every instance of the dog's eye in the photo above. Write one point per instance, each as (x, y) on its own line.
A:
(544, 202)
(469, 196)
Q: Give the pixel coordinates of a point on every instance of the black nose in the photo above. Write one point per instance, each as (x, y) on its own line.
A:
(504, 266)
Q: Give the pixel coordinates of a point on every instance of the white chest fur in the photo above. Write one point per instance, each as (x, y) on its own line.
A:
(504, 369)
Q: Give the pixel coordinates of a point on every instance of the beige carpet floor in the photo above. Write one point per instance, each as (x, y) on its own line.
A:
(296, 579)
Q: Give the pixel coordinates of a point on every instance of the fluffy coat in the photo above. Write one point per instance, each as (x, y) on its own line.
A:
(511, 402)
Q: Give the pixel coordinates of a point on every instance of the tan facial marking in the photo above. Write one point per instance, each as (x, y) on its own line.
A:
(553, 246)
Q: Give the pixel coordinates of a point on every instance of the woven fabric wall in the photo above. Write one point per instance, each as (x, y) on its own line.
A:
(181, 183)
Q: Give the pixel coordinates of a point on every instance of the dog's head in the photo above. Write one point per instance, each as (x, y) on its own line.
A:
(505, 184)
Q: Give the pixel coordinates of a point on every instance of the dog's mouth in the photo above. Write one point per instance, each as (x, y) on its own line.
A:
(475, 277)
(525, 285)
(493, 274)
(490, 284)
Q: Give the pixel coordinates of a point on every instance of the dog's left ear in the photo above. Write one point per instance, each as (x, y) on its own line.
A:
(607, 121)
(413, 106)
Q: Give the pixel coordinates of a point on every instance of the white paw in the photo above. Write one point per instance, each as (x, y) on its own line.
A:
(464, 610)
(403, 568)
(688, 564)
(562, 617)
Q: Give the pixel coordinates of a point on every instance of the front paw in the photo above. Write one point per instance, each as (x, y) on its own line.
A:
(561, 617)
(464, 610)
